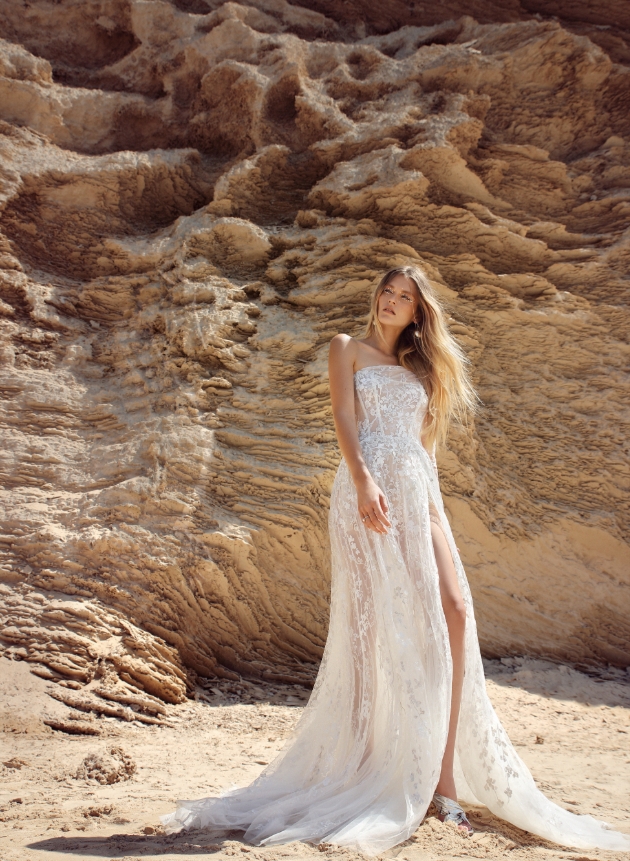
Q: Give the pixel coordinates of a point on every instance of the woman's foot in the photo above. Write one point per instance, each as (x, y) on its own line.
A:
(451, 811)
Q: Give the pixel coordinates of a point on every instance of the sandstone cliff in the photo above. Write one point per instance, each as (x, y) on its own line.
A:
(195, 197)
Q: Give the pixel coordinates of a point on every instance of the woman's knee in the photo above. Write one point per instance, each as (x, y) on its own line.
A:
(454, 610)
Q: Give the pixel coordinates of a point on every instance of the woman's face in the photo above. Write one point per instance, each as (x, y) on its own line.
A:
(398, 302)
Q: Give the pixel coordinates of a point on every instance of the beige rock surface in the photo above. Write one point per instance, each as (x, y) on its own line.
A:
(82, 797)
(195, 197)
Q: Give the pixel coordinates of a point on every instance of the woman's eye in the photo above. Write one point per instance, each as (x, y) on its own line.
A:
(407, 298)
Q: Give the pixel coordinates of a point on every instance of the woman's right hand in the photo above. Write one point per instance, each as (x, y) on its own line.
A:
(373, 506)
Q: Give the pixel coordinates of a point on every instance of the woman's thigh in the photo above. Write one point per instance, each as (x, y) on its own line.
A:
(449, 586)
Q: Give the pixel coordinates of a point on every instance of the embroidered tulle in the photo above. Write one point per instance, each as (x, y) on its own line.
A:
(364, 759)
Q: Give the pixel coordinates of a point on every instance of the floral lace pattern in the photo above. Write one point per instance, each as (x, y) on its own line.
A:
(362, 764)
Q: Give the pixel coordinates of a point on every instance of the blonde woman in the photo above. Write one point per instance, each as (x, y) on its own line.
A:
(399, 714)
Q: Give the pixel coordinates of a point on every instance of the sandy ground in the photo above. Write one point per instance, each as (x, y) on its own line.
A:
(573, 730)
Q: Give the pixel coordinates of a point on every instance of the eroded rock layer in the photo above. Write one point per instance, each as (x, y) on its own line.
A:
(195, 197)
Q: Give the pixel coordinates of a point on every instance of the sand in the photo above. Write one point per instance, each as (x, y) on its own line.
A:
(572, 729)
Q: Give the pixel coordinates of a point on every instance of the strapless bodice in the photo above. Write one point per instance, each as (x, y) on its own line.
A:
(390, 401)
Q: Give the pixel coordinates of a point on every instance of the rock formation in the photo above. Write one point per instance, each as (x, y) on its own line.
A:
(195, 197)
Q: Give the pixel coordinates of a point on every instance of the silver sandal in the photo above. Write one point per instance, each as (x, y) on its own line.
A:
(451, 811)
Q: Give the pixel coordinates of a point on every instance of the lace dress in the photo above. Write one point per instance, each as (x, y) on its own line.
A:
(364, 759)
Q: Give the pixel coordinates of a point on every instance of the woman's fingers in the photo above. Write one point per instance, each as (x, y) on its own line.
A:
(376, 524)
(384, 510)
(369, 520)
(373, 510)
(375, 519)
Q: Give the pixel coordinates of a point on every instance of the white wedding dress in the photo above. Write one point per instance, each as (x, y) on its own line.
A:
(364, 759)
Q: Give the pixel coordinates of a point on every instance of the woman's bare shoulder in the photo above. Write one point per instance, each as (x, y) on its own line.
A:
(343, 344)
(342, 351)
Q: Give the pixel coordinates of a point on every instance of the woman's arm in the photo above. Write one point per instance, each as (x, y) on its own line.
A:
(371, 500)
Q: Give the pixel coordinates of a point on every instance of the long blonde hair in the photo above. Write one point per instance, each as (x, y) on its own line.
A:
(429, 350)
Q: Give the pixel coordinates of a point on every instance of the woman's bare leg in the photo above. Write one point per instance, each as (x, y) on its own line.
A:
(455, 614)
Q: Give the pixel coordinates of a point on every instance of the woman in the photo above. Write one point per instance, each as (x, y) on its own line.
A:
(399, 714)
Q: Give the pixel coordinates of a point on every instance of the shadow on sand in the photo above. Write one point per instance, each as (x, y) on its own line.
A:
(207, 842)
(608, 686)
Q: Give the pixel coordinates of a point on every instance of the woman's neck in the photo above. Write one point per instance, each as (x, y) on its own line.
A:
(386, 345)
